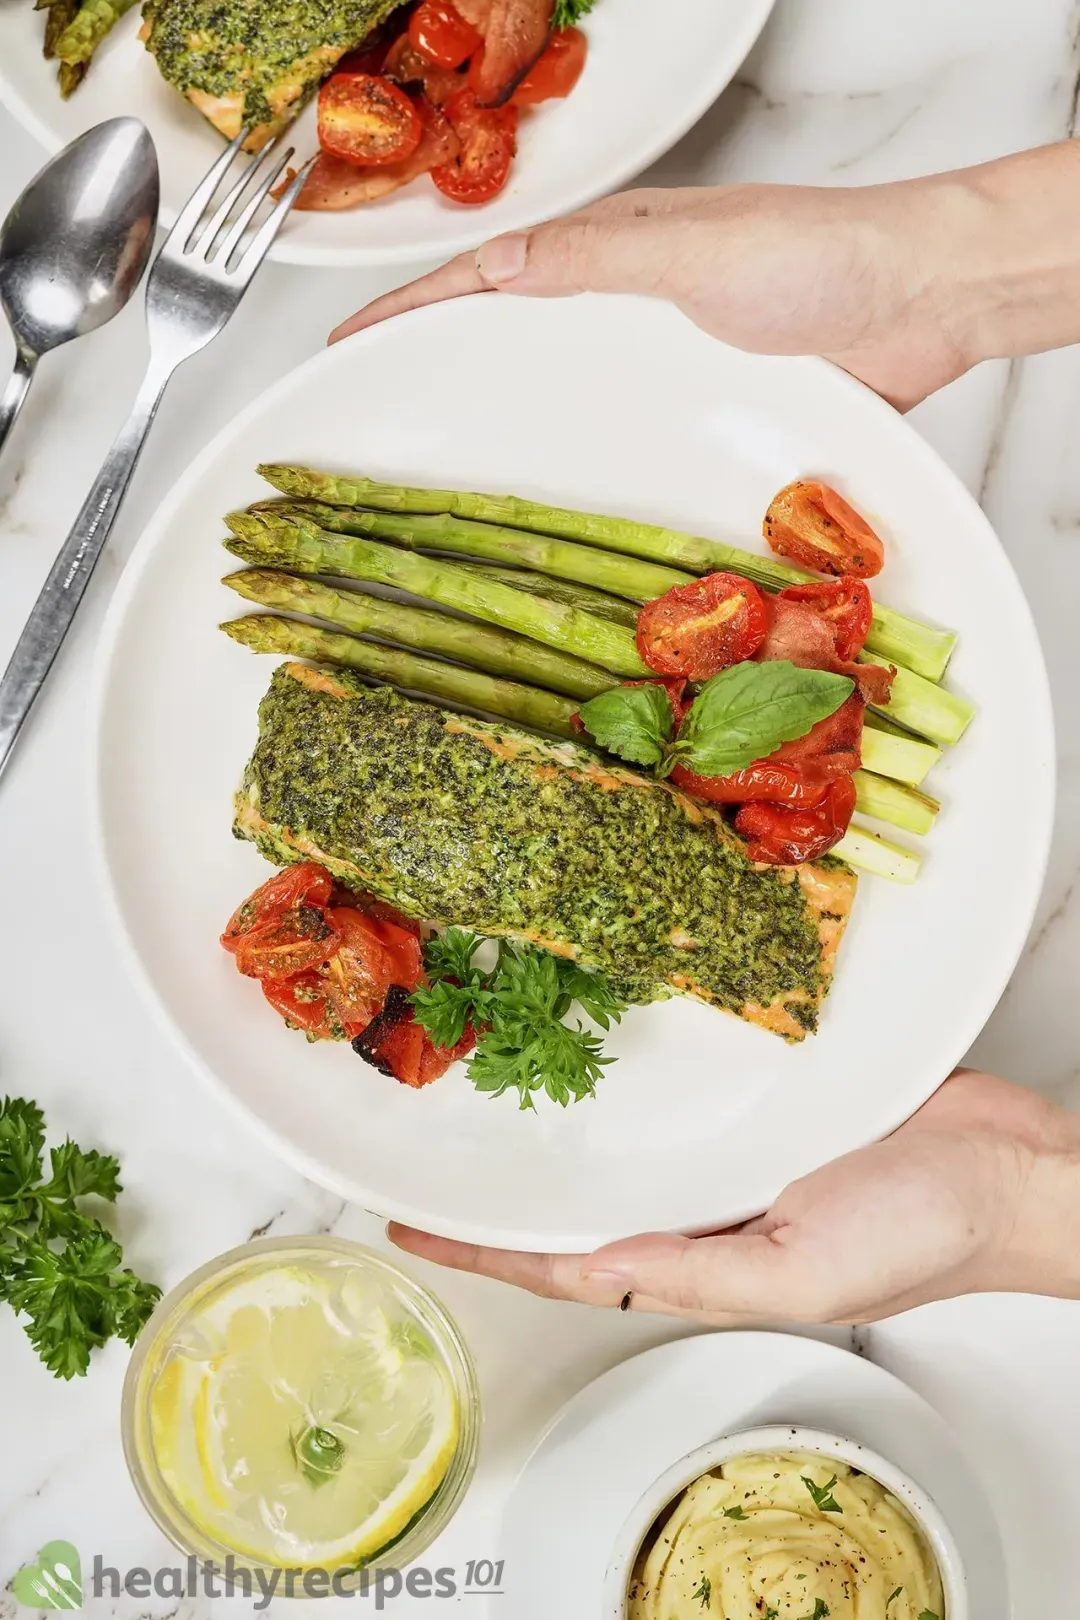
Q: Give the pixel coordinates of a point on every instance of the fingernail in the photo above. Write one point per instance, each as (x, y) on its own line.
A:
(503, 259)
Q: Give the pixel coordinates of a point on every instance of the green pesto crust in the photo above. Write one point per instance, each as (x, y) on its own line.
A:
(458, 821)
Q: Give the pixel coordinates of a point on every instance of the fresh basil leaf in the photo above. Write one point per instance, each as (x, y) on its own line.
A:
(634, 722)
(745, 713)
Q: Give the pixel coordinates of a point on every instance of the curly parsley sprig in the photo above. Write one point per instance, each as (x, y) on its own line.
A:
(59, 1267)
(569, 12)
(519, 1010)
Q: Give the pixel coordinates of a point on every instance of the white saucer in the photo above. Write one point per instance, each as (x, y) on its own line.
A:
(614, 1439)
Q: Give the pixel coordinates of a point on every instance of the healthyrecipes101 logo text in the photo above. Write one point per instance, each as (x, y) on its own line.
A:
(54, 1581)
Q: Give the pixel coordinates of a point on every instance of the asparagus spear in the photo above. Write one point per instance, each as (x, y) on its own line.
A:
(893, 636)
(890, 753)
(922, 707)
(60, 14)
(85, 32)
(485, 694)
(895, 803)
(496, 652)
(603, 570)
(864, 849)
(447, 683)
(561, 590)
(302, 548)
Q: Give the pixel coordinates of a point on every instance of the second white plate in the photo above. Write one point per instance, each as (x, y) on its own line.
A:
(615, 1439)
(643, 88)
(614, 405)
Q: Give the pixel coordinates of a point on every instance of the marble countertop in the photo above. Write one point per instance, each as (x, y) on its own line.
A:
(838, 93)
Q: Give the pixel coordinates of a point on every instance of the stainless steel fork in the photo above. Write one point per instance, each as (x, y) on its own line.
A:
(198, 278)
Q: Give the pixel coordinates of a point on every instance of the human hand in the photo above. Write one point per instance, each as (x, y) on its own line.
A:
(865, 276)
(978, 1192)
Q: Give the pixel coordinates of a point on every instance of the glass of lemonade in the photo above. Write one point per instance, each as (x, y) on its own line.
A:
(301, 1404)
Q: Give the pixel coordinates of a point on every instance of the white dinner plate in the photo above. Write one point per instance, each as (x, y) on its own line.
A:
(649, 78)
(615, 1439)
(619, 405)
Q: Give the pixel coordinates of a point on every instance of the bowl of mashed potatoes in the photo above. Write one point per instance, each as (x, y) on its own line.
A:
(785, 1523)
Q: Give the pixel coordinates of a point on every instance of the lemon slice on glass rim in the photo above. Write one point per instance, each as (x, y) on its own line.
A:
(302, 1415)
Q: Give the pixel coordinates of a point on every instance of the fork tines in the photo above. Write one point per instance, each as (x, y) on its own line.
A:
(217, 241)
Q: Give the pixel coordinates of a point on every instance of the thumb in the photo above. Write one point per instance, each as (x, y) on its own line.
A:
(606, 252)
(740, 1273)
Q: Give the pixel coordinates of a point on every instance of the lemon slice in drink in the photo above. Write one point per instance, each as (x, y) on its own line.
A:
(304, 1418)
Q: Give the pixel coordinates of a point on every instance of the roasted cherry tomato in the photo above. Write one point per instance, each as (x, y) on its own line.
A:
(697, 630)
(557, 71)
(516, 34)
(831, 748)
(301, 1001)
(488, 146)
(303, 884)
(815, 527)
(442, 34)
(372, 955)
(397, 1045)
(783, 836)
(281, 929)
(367, 119)
(406, 65)
(765, 782)
(846, 603)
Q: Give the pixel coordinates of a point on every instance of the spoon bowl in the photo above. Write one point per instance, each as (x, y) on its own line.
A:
(75, 245)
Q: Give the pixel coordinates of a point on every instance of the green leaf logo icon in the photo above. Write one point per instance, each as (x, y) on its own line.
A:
(54, 1581)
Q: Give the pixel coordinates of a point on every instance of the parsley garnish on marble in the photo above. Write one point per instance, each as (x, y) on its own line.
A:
(59, 1267)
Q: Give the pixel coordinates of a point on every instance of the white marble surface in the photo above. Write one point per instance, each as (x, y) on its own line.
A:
(837, 92)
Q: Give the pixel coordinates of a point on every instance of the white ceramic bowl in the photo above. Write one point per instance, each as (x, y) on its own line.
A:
(781, 1437)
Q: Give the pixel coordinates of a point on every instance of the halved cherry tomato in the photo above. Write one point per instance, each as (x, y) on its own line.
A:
(697, 630)
(488, 147)
(333, 183)
(281, 929)
(783, 836)
(396, 1044)
(440, 31)
(764, 782)
(408, 66)
(815, 527)
(301, 1001)
(557, 71)
(846, 603)
(367, 119)
(303, 884)
(372, 955)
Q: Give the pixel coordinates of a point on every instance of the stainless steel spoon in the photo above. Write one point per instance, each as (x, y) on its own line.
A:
(75, 245)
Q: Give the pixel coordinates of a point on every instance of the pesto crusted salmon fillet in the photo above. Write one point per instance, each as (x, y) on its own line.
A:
(458, 821)
(254, 62)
